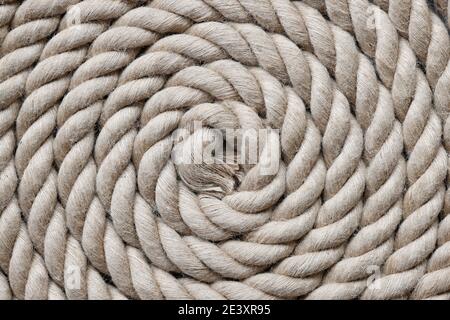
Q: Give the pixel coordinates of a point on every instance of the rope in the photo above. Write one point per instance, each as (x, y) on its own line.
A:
(102, 102)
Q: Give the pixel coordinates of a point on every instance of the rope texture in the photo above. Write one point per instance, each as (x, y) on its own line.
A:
(355, 95)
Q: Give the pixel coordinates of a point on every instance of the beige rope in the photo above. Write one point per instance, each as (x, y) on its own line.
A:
(94, 93)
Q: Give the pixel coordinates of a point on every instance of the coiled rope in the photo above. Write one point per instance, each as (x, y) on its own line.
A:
(355, 96)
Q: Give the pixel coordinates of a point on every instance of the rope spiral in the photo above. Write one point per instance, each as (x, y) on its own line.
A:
(326, 124)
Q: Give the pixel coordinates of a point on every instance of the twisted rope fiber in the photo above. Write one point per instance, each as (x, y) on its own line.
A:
(91, 96)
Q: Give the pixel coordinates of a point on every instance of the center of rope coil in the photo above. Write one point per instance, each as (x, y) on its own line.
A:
(213, 151)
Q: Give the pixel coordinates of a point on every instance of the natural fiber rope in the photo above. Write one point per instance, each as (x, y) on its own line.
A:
(91, 95)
